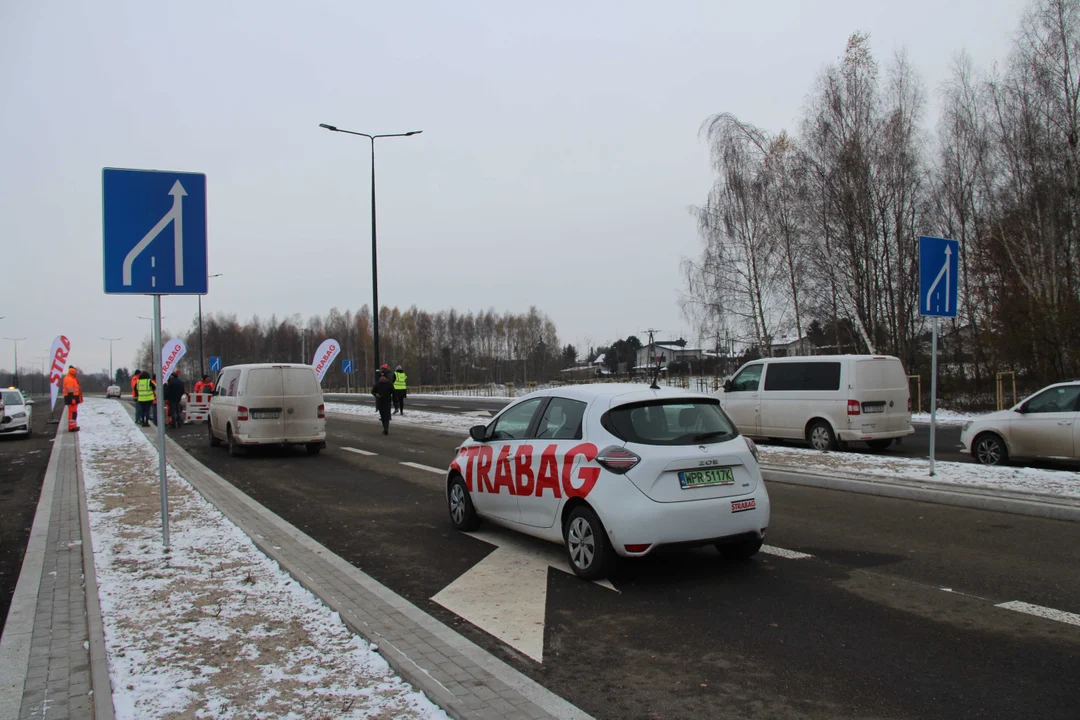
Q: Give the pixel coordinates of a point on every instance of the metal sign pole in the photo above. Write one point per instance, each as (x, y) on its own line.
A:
(933, 394)
(161, 422)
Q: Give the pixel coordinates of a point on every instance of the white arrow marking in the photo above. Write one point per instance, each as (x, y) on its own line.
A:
(946, 271)
(176, 217)
(505, 594)
(477, 413)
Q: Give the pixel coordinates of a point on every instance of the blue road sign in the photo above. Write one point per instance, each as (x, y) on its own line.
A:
(346, 366)
(154, 229)
(939, 262)
(215, 364)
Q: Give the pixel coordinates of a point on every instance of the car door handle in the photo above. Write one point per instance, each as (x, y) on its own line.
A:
(1064, 422)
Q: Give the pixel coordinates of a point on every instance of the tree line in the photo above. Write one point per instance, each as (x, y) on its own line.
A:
(434, 348)
(822, 225)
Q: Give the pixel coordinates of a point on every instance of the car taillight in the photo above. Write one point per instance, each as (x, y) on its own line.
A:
(322, 412)
(909, 403)
(617, 460)
(853, 407)
(241, 413)
(753, 448)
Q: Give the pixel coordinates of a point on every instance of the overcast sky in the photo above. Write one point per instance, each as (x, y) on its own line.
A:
(559, 156)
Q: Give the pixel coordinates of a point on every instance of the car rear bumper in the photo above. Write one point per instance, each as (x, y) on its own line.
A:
(638, 521)
(248, 440)
(857, 435)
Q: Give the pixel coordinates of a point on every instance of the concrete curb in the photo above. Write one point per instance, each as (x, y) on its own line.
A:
(19, 628)
(1043, 506)
(99, 661)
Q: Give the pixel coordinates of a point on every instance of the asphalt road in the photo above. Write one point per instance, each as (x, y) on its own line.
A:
(23, 462)
(894, 615)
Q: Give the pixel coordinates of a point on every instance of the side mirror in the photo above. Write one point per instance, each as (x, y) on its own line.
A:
(728, 385)
(30, 401)
(1021, 408)
(478, 433)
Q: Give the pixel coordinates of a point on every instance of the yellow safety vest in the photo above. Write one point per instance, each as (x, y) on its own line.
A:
(399, 381)
(145, 392)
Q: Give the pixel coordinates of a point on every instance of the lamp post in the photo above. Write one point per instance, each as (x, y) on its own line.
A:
(41, 359)
(374, 254)
(112, 378)
(202, 355)
(16, 342)
(151, 319)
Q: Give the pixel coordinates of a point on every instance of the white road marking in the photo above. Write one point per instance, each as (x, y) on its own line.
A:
(785, 553)
(1040, 611)
(505, 594)
(358, 451)
(418, 466)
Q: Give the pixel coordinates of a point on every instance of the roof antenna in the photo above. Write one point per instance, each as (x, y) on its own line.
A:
(656, 370)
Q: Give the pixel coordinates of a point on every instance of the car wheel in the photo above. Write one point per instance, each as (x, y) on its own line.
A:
(234, 447)
(989, 449)
(879, 445)
(214, 442)
(742, 549)
(591, 555)
(462, 512)
(821, 436)
(314, 448)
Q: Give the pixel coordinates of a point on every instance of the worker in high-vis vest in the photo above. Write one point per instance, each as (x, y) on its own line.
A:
(145, 390)
(399, 390)
(72, 398)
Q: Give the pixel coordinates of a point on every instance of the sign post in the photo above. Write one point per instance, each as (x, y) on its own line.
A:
(938, 280)
(139, 207)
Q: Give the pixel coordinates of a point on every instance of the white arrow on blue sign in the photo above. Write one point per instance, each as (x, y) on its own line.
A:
(215, 364)
(154, 230)
(939, 260)
(346, 366)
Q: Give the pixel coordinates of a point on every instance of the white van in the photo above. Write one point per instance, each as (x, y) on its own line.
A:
(826, 400)
(268, 404)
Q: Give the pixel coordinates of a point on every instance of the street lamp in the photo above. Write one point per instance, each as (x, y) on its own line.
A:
(112, 378)
(16, 342)
(151, 319)
(202, 357)
(374, 254)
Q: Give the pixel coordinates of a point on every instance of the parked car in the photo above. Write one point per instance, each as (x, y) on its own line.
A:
(268, 404)
(1044, 425)
(826, 400)
(612, 470)
(113, 391)
(16, 414)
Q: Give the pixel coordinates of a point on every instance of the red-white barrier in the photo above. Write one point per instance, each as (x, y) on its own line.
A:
(198, 407)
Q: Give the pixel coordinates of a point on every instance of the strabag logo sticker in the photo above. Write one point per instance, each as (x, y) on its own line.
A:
(743, 505)
(525, 473)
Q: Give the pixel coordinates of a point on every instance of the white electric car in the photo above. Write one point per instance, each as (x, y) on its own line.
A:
(613, 469)
(16, 413)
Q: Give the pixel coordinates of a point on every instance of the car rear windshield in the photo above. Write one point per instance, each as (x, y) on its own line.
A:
(299, 381)
(264, 382)
(671, 422)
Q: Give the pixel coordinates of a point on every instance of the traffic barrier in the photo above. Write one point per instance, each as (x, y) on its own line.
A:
(198, 407)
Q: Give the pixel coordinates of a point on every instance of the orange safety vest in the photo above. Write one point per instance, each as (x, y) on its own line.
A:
(71, 388)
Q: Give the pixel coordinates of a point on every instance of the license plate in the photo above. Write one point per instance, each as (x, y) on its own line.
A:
(743, 505)
(873, 408)
(265, 414)
(704, 478)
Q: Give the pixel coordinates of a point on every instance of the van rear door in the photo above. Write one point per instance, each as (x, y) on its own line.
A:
(262, 397)
(301, 398)
(881, 389)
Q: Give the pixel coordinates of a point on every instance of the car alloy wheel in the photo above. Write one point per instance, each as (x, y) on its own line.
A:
(988, 450)
(457, 504)
(462, 513)
(581, 542)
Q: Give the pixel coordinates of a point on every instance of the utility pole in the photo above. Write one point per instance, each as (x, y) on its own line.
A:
(16, 342)
(652, 352)
(112, 377)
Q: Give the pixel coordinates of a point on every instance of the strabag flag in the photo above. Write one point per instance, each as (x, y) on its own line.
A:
(170, 357)
(324, 356)
(61, 347)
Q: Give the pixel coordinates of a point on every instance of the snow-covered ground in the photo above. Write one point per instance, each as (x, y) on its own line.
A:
(443, 421)
(212, 628)
(1018, 479)
(945, 417)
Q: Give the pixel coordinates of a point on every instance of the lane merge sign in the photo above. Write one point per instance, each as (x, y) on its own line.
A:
(939, 263)
(154, 229)
(346, 366)
(215, 363)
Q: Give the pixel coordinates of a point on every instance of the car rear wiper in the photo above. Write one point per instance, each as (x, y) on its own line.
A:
(710, 435)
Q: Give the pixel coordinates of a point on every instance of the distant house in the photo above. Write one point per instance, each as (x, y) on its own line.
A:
(667, 352)
(792, 345)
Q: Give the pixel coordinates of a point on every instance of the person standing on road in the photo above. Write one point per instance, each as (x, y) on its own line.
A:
(72, 398)
(145, 390)
(399, 390)
(174, 395)
(383, 392)
(134, 388)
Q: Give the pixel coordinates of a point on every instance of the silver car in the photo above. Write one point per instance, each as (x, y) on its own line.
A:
(17, 414)
(1045, 425)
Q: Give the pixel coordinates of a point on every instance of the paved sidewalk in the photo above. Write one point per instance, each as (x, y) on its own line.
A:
(52, 655)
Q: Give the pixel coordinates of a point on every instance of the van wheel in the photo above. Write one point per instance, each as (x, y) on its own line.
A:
(587, 547)
(879, 445)
(821, 436)
(462, 512)
(214, 442)
(234, 448)
(740, 550)
(313, 448)
(990, 449)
